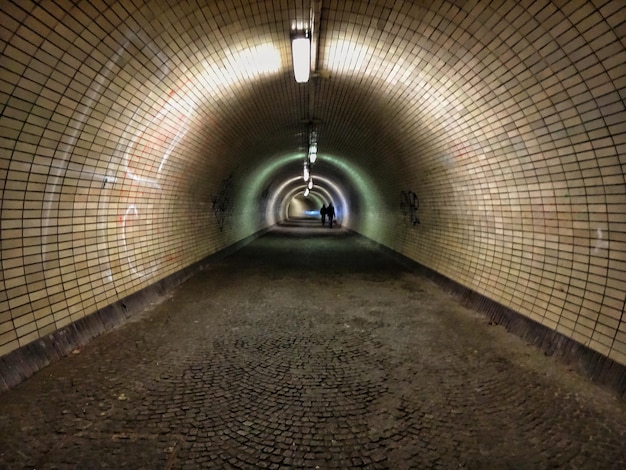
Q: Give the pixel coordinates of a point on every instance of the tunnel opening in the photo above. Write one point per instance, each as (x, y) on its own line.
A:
(304, 207)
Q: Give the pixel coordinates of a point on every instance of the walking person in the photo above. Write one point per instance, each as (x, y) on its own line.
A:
(330, 212)
(323, 214)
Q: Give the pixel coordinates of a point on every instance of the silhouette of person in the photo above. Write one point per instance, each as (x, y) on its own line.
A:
(330, 212)
(323, 214)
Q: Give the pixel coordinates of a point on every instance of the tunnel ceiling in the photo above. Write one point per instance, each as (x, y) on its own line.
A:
(404, 83)
(483, 139)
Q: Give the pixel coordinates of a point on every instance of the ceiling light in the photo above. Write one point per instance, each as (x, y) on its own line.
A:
(313, 153)
(301, 54)
(306, 173)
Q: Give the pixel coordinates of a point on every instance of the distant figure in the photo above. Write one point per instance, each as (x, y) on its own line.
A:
(330, 212)
(323, 214)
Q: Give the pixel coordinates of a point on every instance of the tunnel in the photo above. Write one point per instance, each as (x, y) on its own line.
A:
(482, 142)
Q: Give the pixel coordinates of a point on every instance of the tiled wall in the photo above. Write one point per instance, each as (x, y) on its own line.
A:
(514, 146)
(495, 132)
(111, 173)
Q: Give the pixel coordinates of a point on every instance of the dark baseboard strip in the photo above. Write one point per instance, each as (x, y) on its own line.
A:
(591, 364)
(23, 362)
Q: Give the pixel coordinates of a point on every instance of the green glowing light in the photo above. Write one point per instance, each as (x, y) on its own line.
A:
(259, 177)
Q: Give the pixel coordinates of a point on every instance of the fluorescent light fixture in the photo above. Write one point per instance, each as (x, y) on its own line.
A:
(310, 185)
(313, 153)
(306, 192)
(306, 174)
(301, 54)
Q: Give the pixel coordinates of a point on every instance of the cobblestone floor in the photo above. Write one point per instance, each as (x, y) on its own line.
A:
(309, 350)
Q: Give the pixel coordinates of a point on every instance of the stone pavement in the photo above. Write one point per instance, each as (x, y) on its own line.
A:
(309, 349)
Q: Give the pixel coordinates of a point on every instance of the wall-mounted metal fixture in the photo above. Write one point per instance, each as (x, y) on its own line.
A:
(304, 44)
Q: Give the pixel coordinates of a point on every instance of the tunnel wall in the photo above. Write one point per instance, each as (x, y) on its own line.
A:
(517, 192)
(103, 192)
(493, 132)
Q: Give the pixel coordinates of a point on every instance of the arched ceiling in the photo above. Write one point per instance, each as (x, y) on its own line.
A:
(138, 137)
